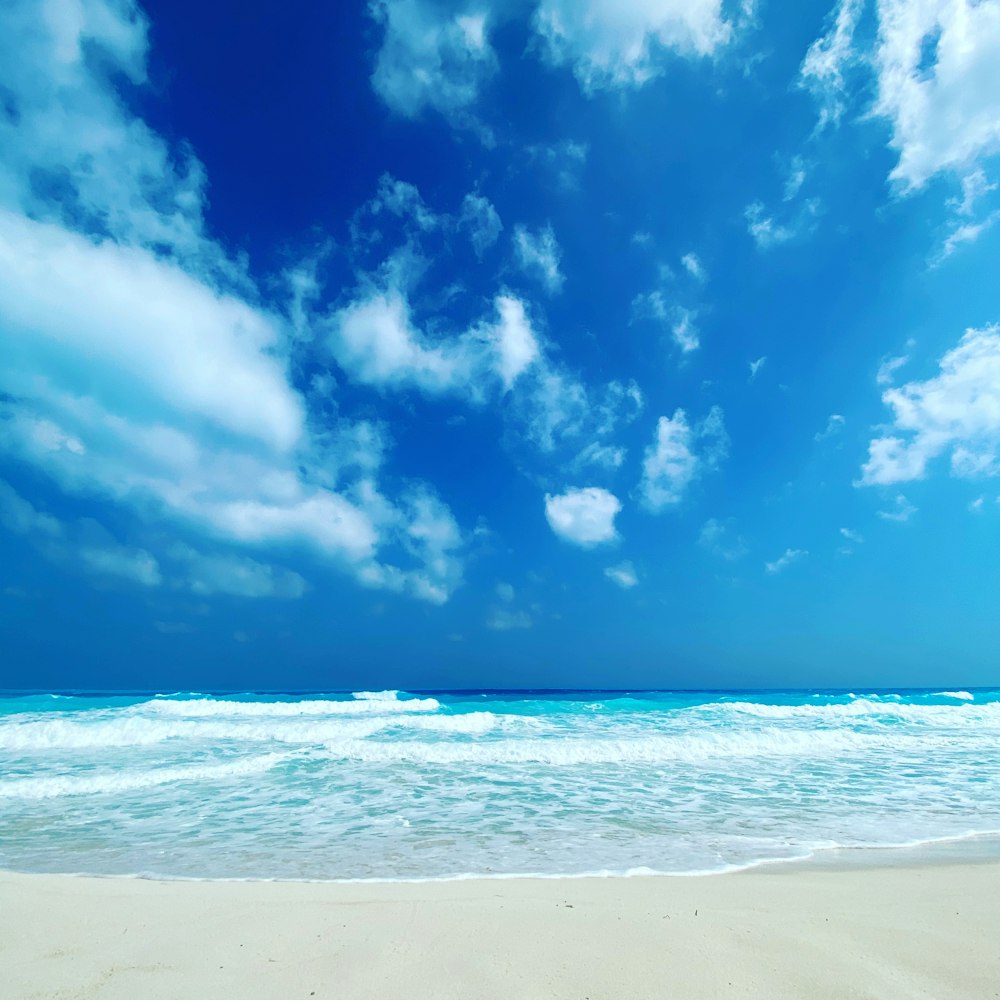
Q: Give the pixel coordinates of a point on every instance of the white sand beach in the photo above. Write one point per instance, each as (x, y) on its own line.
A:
(781, 932)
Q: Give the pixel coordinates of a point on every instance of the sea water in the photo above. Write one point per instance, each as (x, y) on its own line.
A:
(388, 785)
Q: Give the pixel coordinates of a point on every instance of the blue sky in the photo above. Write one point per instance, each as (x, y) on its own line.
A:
(533, 344)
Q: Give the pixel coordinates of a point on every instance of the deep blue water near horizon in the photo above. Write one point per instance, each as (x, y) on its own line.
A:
(431, 784)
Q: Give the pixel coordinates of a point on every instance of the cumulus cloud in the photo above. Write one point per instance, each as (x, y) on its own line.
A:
(379, 338)
(679, 453)
(937, 85)
(935, 82)
(140, 367)
(376, 341)
(539, 255)
(431, 57)
(623, 44)
(585, 517)
(785, 560)
(956, 412)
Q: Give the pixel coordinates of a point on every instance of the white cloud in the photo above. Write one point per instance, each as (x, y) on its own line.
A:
(966, 232)
(684, 332)
(975, 186)
(785, 560)
(540, 256)
(482, 221)
(431, 59)
(765, 231)
(823, 68)
(375, 340)
(851, 535)
(148, 322)
(514, 340)
(115, 175)
(138, 367)
(693, 265)
(756, 366)
(505, 592)
(21, 517)
(938, 85)
(956, 412)
(506, 620)
(585, 517)
(602, 455)
(934, 64)
(768, 232)
(901, 513)
(796, 178)
(619, 43)
(679, 321)
(887, 369)
(236, 575)
(834, 425)
(82, 544)
(134, 565)
(716, 536)
(402, 199)
(623, 574)
(975, 506)
(672, 461)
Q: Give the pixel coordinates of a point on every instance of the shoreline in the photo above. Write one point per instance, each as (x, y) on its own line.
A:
(967, 849)
(780, 932)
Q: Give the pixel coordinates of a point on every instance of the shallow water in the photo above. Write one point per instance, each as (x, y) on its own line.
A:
(389, 785)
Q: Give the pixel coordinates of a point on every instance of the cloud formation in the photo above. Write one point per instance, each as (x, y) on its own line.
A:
(679, 454)
(957, 413)
(140, 368)
(585, 517)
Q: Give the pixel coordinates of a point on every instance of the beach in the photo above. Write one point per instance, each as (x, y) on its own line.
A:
(785, 931)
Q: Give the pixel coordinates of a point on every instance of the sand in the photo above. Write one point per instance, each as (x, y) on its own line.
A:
(931, 931)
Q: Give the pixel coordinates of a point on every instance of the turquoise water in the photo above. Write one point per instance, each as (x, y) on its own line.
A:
(395, 786)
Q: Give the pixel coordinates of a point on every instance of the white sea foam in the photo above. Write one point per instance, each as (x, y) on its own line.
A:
(134, 730)
(689, 747)
(128, 781)
(960, 695)
(963, 714)
(386, 785)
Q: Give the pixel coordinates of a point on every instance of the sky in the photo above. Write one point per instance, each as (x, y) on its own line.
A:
(550, 343)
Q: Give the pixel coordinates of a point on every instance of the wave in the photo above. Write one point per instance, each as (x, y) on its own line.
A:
(965, 713)
(58, 734)
(662, 750)
(360, 705)
(112, 784)
(960, 695)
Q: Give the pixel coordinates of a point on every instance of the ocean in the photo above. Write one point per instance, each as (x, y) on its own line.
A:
(389, 785)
